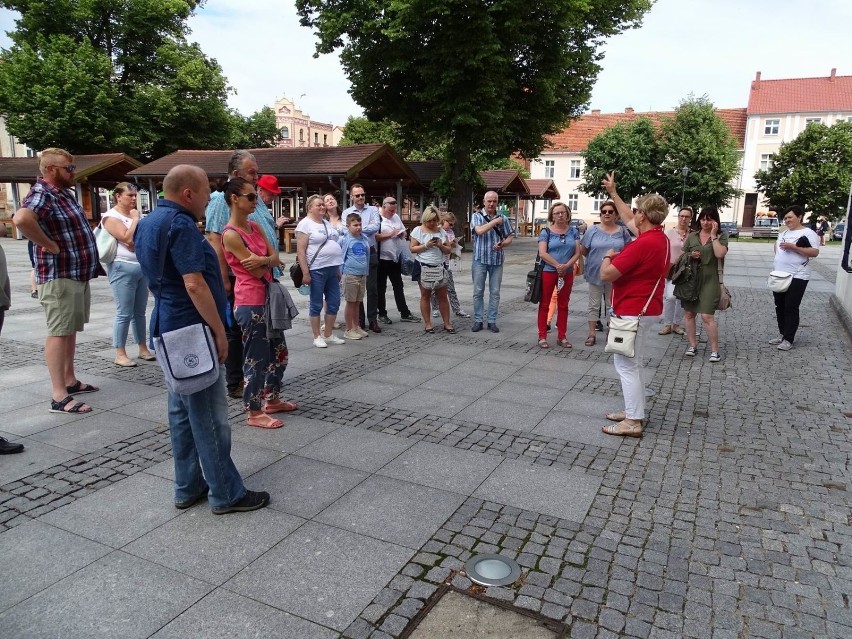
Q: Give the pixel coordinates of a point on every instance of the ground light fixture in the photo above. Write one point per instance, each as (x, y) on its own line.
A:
(492, 570)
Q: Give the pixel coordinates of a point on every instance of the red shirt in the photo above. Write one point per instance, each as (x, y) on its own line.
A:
(641, 264)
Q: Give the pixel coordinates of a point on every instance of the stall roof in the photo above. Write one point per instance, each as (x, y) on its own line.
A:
(100, 169)
(506, 181)
(373, 164)
(542, 190)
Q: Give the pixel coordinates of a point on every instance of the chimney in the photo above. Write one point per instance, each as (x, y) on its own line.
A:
(596, 111)
(628, 110)
(833, 75)
(756, 84)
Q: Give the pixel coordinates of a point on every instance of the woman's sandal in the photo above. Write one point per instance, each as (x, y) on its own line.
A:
(430, 330)
(279, 407)
(542, 343)
(564, 343)
(79, 387)
(590, 340)
(263, 421)
(450, 330)
(616, 416)
(148, 357)
(623, 429)
(61, 406)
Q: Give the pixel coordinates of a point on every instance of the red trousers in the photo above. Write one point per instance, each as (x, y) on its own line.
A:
(548, 283)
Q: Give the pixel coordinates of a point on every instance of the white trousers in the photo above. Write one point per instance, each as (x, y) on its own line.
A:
(631, 370)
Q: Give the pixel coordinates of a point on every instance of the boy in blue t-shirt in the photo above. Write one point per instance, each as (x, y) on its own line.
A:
(356, 266)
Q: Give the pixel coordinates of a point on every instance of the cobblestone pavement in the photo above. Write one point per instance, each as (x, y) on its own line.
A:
(730, 518)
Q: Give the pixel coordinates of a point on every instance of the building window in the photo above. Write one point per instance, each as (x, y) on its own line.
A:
(766, 161)
(325, 140)
(574, 170)
(573, 201)
(812, 121)
(549, 168)
(770, 127)
(31, 153)
(599, 200)
(849, 118)
(316, 139)
(285, 133)
(301, 135)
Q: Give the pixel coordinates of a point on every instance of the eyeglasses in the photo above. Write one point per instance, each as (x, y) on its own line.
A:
(251, 197)
(68, 167)
(607, 212)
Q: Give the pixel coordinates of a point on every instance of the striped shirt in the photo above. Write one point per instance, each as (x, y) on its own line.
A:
(62, 219)
(483, 245)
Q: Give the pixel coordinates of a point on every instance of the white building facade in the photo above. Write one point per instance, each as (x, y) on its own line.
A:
(298, 130)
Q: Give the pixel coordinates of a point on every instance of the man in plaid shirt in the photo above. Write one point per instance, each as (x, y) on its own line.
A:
(491, 234)
(66, 258)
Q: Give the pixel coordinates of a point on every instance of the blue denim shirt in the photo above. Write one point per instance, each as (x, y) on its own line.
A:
(189, 252)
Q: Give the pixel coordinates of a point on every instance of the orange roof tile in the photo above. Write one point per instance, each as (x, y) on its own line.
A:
(801, 95)
(577, 135)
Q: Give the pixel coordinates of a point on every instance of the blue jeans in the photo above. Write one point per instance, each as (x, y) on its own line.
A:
(324, 282)
(201, 442)
(130, 289)
(495, 278)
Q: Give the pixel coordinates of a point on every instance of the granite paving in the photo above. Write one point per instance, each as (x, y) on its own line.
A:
(410, 453)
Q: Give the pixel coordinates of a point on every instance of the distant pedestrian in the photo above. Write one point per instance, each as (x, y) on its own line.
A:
(672, 308)
(391, 242)
(448, 224)
(428, 245)
(356, 266)
(370, 223)
(822, 229)
(66, 258)
(492, 233)
(793, 249)
(559, 249)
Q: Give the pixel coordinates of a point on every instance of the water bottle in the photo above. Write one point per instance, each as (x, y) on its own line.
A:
(305, 289)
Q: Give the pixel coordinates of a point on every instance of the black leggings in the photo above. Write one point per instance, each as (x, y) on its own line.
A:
(787, 308)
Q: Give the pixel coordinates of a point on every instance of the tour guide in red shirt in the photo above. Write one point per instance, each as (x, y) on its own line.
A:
(637, 274)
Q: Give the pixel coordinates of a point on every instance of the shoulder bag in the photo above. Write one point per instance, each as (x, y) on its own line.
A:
(296, 270)
(107, 244)
(725, 295)
(533, 292)
(187, 355)
(779, 281)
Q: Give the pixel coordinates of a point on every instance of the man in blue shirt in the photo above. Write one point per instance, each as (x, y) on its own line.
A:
(491, 234)
(370, 224)
(190, 290)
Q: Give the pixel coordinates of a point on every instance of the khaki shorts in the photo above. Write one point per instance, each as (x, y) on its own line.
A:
(354, 287)
(66, 305)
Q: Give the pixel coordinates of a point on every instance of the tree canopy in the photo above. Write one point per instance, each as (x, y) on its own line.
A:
(489, 77)
(259, 130)
(649, 158)
(813, 171)
(111, 75)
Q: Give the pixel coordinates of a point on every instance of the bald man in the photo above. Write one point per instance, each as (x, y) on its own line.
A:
(192, 291)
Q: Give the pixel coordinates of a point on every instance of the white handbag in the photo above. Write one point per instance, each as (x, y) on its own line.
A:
(621, 338)
(779, 281)
(107, 244)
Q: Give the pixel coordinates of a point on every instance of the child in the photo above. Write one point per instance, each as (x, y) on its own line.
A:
(448, 222)
(356, 265)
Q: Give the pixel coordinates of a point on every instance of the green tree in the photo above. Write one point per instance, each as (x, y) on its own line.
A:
(697, 139)
(814, 171)
(632, 150)
(489, 77)
(360, 130)
(111, 75)
(257, 131)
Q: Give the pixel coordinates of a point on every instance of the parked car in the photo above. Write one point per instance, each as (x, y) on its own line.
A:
(765, 227)
(731, 229)
(837, 233)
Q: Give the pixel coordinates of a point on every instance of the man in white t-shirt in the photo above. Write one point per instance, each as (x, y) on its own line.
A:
(369, 227)
(391, 239)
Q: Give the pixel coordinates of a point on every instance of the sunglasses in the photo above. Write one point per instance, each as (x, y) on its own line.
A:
(251, 197)
(562, 238)
(68, 167)
(360, 195)
(607, 212)
(127, 186)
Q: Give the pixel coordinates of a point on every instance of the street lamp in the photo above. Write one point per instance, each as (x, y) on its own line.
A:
(684, 172)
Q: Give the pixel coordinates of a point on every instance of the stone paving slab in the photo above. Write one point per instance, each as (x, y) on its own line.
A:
(356, 449)
(39, 457)
(99, 429)
(321, 573)
(85, 603)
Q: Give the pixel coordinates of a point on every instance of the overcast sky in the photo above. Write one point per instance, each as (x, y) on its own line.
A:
(711, 47)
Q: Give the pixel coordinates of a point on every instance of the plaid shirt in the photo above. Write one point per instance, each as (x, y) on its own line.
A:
(483, 245)
(62, 219)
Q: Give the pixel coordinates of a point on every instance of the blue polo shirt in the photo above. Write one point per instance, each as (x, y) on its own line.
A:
(188, 252)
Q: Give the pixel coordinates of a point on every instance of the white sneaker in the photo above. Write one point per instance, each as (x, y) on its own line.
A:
(319, 342)
(436, 313)
(353, 334)
(334, 339)
(776, 340)
(715, 357)
(784, 345)
(361, 331)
